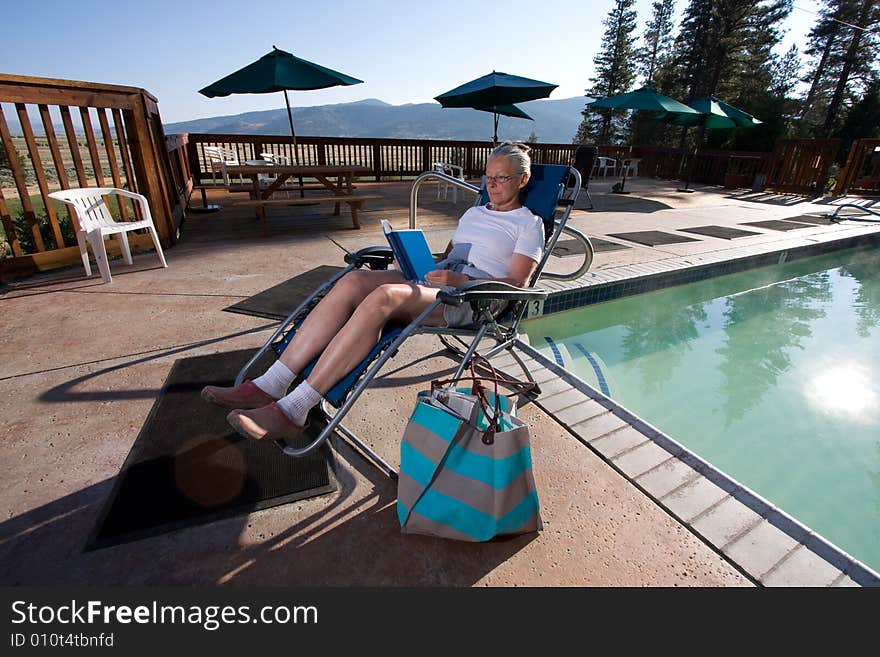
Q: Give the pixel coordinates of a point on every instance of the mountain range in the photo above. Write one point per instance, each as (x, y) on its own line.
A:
(555, 122)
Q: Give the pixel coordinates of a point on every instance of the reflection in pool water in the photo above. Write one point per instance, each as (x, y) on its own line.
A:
(772, 375)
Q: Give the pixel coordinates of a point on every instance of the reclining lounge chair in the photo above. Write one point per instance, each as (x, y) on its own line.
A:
(550, 188)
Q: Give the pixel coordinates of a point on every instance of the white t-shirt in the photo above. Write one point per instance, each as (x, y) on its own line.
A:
(487, 238)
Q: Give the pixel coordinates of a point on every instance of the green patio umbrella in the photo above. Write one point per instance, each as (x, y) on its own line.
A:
(644, 99)
(712, 114)
(278, 70)
(496, 92)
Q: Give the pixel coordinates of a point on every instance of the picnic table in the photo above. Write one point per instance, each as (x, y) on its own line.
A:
(337, 179)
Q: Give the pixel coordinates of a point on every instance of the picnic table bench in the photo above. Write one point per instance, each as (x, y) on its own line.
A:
(337, 179)
(354, 200)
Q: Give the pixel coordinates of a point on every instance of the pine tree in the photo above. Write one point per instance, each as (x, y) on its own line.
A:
(651, 58)
(615, 72)
(657, 40)
(863, 120)
(844, 45)
(724, 48)
(854, 60)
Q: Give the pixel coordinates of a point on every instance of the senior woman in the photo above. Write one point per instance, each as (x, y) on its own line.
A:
(499, 241)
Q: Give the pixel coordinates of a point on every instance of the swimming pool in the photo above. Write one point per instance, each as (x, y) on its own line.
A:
(772, 375)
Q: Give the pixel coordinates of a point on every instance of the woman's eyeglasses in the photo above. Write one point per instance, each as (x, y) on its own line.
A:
(498, 180)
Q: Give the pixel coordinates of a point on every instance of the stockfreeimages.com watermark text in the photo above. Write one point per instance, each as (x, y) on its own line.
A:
(209, 617)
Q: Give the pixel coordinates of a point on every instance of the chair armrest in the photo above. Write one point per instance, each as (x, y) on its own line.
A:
(140, 198)
(477, 290)
(375, 257)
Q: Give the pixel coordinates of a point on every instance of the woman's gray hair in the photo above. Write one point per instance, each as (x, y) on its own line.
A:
(517, 153)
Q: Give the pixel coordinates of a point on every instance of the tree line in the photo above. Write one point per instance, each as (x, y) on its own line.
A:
(725, 48)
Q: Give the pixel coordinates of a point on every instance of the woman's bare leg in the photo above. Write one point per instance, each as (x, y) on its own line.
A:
(322, 324)
(353, 341)
(356, 338)
(332, 313)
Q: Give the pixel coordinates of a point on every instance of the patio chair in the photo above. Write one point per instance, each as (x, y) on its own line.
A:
(604, 164)
(218, 159)
(546, 191)
(584, 160)
(630, 167)
(95, 221)
(443, 187)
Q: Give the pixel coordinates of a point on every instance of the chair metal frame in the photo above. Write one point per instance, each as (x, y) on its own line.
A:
(479, 294)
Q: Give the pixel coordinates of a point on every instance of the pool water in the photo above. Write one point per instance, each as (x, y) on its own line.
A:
(772, 375)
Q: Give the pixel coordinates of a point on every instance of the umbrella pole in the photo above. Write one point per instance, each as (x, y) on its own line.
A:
(495, 133)
(623, 181)
(690, 169)
(302, 192)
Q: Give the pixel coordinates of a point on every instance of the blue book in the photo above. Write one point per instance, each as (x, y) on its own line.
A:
(411, 251)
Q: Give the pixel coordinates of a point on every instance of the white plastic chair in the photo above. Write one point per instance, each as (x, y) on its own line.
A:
(443, 187)
(95, 221)
(630, 166)
(218, 158)
(603, 164)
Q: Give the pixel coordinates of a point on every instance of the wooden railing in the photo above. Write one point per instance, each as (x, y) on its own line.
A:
(711, 167)
(801, 166)
(109, 136)
(861, 174)
(386, 158)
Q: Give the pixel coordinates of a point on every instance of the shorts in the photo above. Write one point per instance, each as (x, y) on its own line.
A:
(463, 316)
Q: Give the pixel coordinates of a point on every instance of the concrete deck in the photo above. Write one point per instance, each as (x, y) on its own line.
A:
(83, 363)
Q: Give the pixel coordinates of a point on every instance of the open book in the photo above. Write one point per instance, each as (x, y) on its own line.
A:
(411, 251)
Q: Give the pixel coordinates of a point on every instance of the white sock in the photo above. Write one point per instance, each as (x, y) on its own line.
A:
(298, 403)
(276, 380)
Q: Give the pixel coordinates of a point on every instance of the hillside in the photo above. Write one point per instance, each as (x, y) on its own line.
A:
(556, 121)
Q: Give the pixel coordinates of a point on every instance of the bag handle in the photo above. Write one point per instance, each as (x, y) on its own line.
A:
(519, 387)
(480, 390)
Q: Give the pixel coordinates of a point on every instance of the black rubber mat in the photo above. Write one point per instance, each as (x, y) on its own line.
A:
(565, 248)
(819, 220)
(279, 301)
(189, 467)
(776, 224)
(653, 237)
(724, 232)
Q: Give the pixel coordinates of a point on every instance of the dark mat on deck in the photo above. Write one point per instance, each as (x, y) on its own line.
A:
(279, 301)
(189, 467)
(776, 224)
(819, 220)
(653, 237)
(724, 232)
(565, 248)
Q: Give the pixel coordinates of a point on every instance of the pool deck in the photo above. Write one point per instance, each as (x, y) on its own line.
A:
(623, 505)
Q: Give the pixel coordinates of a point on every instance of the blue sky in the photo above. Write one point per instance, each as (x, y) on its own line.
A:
(406, 52)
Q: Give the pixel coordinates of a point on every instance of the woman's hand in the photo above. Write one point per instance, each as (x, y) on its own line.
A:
(445, 278)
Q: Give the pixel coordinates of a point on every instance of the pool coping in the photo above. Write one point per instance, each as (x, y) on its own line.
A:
(758, 538)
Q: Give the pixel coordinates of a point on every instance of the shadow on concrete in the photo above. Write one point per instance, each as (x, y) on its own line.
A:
(348, 541)
(772, 198)
(863, 201)
(66, 392)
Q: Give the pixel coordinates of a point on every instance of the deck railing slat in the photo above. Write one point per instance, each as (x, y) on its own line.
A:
(37, 165)
(20, 183)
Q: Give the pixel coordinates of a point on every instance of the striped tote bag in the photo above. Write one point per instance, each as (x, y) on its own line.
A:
(462, 476)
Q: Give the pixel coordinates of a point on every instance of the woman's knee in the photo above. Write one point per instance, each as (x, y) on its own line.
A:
(385, 299)
(354, 285)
